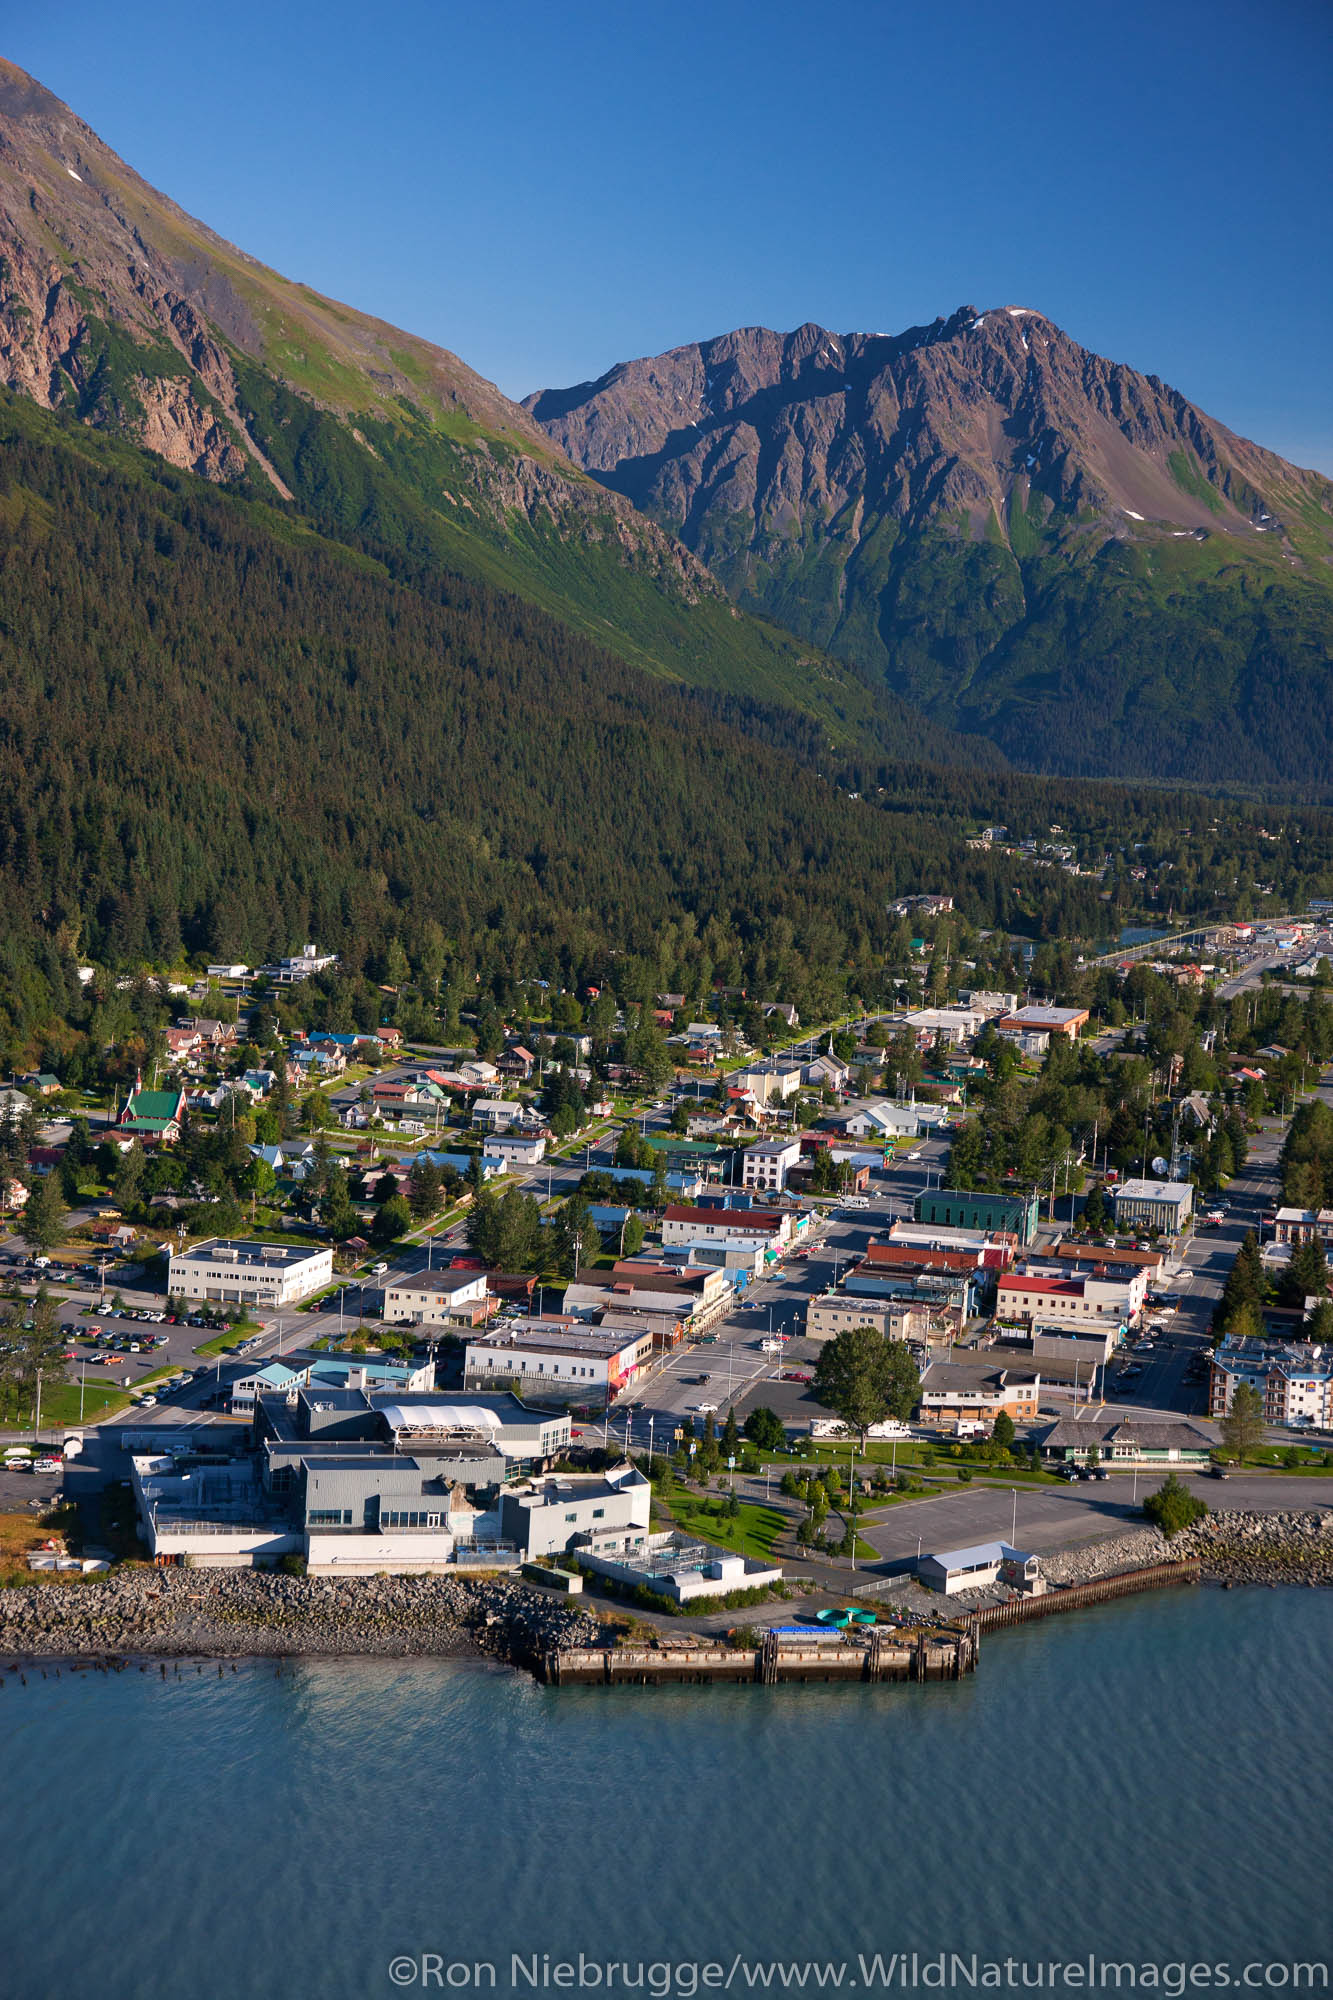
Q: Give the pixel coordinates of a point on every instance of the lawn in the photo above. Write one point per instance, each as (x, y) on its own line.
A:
(753, 1531)
(60, 1405)
(230, 1336)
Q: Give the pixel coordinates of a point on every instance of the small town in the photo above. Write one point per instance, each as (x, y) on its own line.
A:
(678, 1308)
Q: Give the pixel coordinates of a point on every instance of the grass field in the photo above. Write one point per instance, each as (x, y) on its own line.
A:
(60, 1405)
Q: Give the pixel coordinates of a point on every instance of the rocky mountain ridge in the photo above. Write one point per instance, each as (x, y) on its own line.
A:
(1021, 537)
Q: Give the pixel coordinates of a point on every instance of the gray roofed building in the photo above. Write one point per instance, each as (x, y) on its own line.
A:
(1133, 1441)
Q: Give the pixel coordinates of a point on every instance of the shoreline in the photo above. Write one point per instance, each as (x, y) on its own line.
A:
(231, 1615)
(225, 1616)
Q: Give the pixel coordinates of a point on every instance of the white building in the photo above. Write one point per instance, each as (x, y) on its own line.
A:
(257, 1275)
(1165, 1205)
(552, 1515)
(770, 1082)
(436, 1298)
(496, 1114)
(516, 1149)
(741, 1228)
(552, 1358)
(1077, 1302)
(955, 1570)
(880, 1118)
(951, 1025)
(768, 1164)
(1294, 1377)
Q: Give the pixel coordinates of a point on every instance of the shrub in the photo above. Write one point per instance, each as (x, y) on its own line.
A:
(1173, 1508)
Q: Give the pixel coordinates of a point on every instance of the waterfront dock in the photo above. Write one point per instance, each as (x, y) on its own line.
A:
(940, 1652)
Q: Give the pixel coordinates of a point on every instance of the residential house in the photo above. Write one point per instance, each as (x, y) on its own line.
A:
(516, 1149)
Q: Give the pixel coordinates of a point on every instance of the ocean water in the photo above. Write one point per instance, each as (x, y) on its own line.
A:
(1148, 1782)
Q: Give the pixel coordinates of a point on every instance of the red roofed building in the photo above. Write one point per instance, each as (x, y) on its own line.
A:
(1082, 1301)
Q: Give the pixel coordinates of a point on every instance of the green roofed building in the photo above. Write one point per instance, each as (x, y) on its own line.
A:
(706, 1159)
(960, 1208)
(153, 1115)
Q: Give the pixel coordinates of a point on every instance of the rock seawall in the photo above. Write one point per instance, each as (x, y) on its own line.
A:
(1232, 1548)
(233, 1614)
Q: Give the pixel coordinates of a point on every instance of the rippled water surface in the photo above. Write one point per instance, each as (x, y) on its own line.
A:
(1147, 1782)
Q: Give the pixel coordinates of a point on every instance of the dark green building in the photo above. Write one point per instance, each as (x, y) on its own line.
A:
(958, 1208)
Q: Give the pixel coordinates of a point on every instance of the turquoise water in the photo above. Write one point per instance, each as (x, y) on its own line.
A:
(1147, 1782)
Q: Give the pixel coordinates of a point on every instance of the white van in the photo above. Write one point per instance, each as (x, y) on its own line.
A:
(856, 1201)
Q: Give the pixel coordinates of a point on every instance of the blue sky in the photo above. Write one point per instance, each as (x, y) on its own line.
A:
(549, 188)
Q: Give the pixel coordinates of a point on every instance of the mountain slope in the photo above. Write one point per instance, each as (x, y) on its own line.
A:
(222, 732)
(1026, 539)
(122, 310)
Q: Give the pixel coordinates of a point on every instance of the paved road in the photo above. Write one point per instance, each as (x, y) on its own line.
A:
(1048, 1517)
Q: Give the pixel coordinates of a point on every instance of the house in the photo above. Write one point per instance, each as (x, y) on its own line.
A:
(772, 1081)
(153, 1116)
(214, 1034)
(783, 1011)
(1196, 1110)
(226, 971)
(437, 1298)
(1030, 1042)
(1066, 1021)
(516, 1149)
(877, 1118)
(961, 1208)
(955, 1570)
(1164, 1205)
(498, 1114)
(389, 1038)
(40, 1081)
(516, 1061)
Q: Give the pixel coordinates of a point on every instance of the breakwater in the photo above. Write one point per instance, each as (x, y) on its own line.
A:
(237, 1614)
(1235, 1546)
